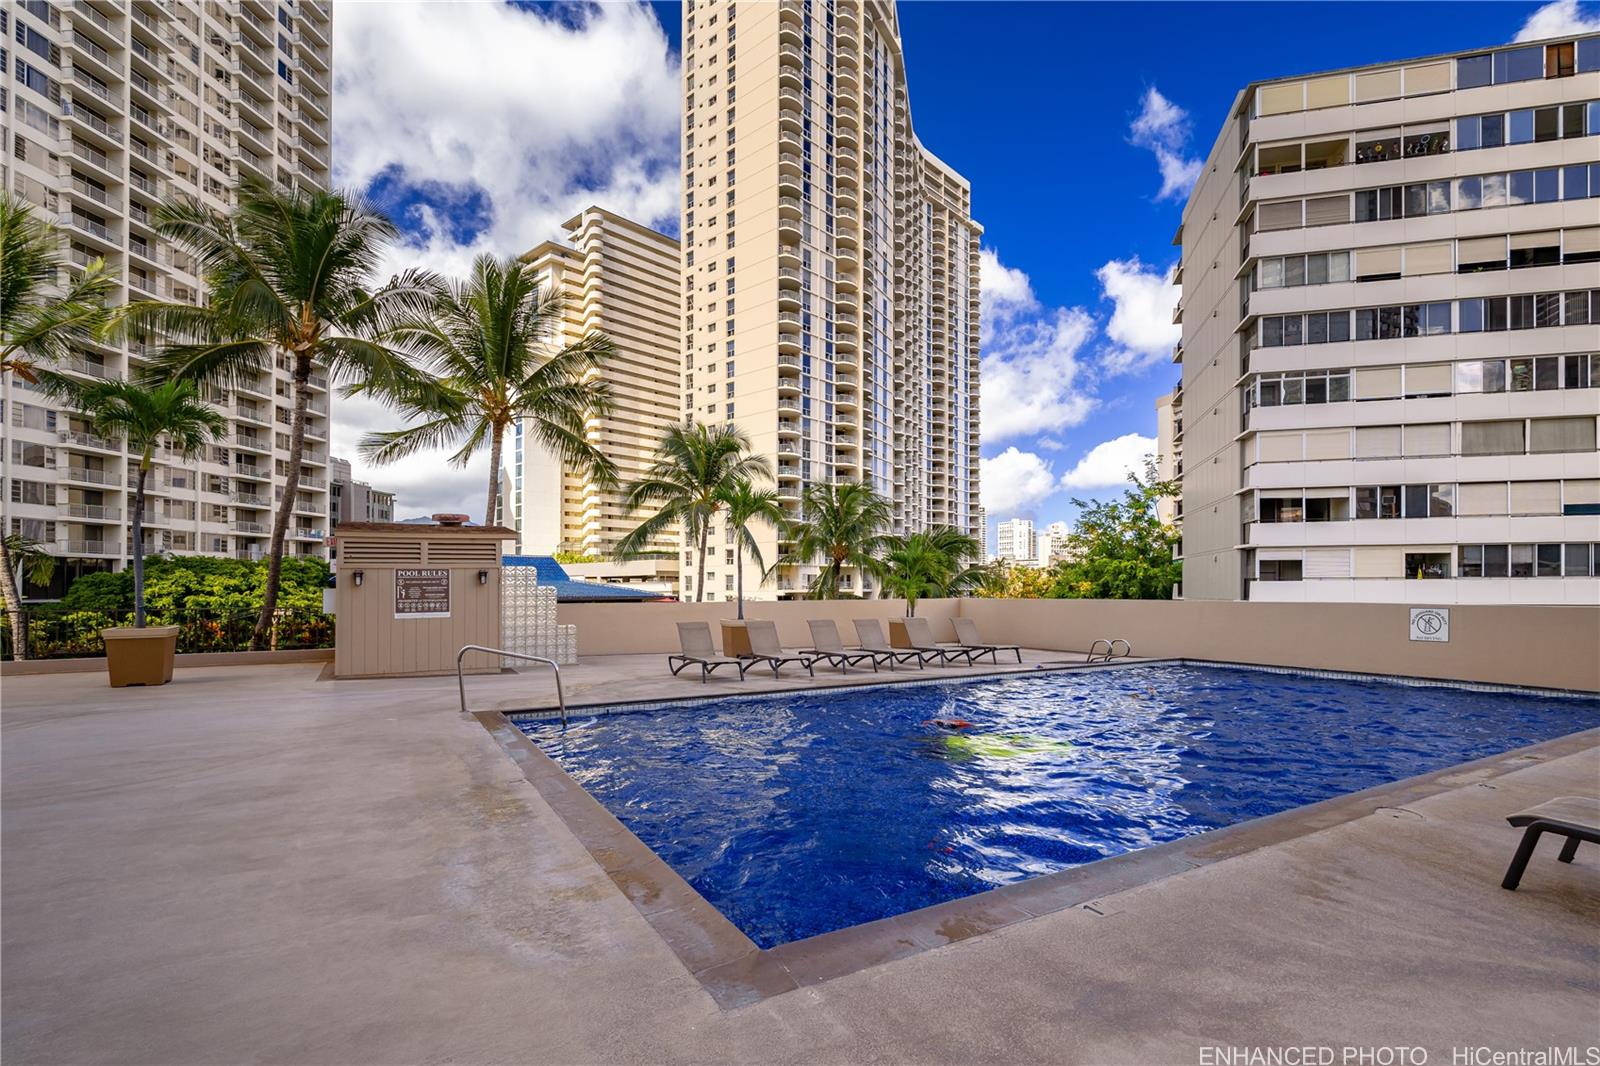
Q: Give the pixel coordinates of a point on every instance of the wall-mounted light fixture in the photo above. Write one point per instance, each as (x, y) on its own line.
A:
(483, 577)
(358, 576)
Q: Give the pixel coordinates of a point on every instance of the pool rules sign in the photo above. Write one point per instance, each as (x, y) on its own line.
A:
(422, 594)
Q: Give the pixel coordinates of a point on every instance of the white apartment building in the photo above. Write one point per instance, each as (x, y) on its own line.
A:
(1169, 450)
(1391, 320)
(110, 107)
(1016, 542)
(1051, 543)
(830, 268)
(622, 279)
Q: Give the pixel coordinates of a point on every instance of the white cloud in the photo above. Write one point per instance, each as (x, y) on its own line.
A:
(1141, 319)
(1030, 372)
(1557, 19)
(1163, 127)
(1006, 292)
(1109, 462)
(528, 116)
(1015, 481)
(1050, 444)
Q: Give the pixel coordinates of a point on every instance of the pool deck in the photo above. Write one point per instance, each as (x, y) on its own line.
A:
(253, 864)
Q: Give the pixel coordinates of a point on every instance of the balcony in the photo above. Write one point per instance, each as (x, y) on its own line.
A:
(83, 475)
(251, 441)
(88, 441)
(254, 529)
(93, 22)
(79, 187)
(252, 414)
(77, 364)
(252, 473)
(93, 512)
(100, 548)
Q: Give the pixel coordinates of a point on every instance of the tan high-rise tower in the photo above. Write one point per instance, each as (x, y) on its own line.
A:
(620, 278)
(110, 108)
(830, 267)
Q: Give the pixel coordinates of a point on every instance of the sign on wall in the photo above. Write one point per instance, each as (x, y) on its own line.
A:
(422, 594)
(1430, 623)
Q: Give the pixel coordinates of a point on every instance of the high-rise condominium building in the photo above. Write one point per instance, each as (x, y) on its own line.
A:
(109, 108)
(830, 267)
(1391, 314)
(1016, 541)
(621, 279)
(1169, 451)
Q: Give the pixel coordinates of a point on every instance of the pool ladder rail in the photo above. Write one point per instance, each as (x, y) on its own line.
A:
(1111, 650)
(461, 680)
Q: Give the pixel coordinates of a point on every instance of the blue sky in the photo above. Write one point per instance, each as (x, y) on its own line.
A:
(1077, 124)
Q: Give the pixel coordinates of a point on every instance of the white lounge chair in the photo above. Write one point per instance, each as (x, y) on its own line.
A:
(967, 634)
(825, 644)
(694, 638)
(920, 634)
(869, 631)
(766, 649)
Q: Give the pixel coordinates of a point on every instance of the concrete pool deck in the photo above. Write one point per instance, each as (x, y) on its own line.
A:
(252, 864)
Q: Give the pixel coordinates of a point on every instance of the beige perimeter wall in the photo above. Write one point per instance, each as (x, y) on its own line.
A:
(1555, 647)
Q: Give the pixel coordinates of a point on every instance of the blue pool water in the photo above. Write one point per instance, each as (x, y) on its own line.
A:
(800, 814)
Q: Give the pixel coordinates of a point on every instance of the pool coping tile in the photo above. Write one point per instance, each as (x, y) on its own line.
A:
(735, 972)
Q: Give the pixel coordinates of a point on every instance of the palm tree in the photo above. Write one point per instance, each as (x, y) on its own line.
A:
(488, 338)
(37, 328)
(172, 410)
(930, 563)
(287, 273)
(840, 524)
(746, 504)
(695, 467)
(34, 564)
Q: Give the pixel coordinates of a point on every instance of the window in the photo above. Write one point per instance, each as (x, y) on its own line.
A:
(1562, 435)
(1427, 566)
(1518, 64)
(1492, 438)
(1560, 60)
(1279, 569)
(1473, 71)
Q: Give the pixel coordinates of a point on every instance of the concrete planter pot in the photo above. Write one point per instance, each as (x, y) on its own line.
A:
(140, 656)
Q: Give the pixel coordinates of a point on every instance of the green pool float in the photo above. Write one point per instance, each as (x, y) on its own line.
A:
(1002, 745)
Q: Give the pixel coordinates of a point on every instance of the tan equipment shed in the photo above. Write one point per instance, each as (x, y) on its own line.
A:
(410, 596)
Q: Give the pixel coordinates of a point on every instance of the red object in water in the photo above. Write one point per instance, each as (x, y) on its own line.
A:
(951, 723)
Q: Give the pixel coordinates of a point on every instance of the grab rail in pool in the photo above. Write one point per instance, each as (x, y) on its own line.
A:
(461, 680)
(1111, 649)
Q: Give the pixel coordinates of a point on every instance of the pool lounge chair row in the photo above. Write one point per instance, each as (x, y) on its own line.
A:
(697, 649)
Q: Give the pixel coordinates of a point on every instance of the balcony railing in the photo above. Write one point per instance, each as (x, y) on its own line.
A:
(87, 476)
(91, 511)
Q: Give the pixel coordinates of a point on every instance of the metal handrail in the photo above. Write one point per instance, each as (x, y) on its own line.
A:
(461, 681)
(1111, 649)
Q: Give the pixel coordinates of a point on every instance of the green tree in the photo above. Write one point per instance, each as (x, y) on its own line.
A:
(32, 563)
(1005, 580)
(489, 340)
(38, 325)
(173, 412)
(1121, 549)
(695, 467)
(930, 563)
(840, 525)
(288, 280)
(747, 504)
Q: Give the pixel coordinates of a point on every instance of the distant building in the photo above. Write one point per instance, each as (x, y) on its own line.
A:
(1052, 543)
(986, 544)
(1169, 451)
(1016, 541)
(619, 278)
(355, 501)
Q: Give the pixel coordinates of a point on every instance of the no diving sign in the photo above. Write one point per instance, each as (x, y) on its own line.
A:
(1430, 623)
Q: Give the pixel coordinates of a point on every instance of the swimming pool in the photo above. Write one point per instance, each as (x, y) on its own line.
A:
(799, 814)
